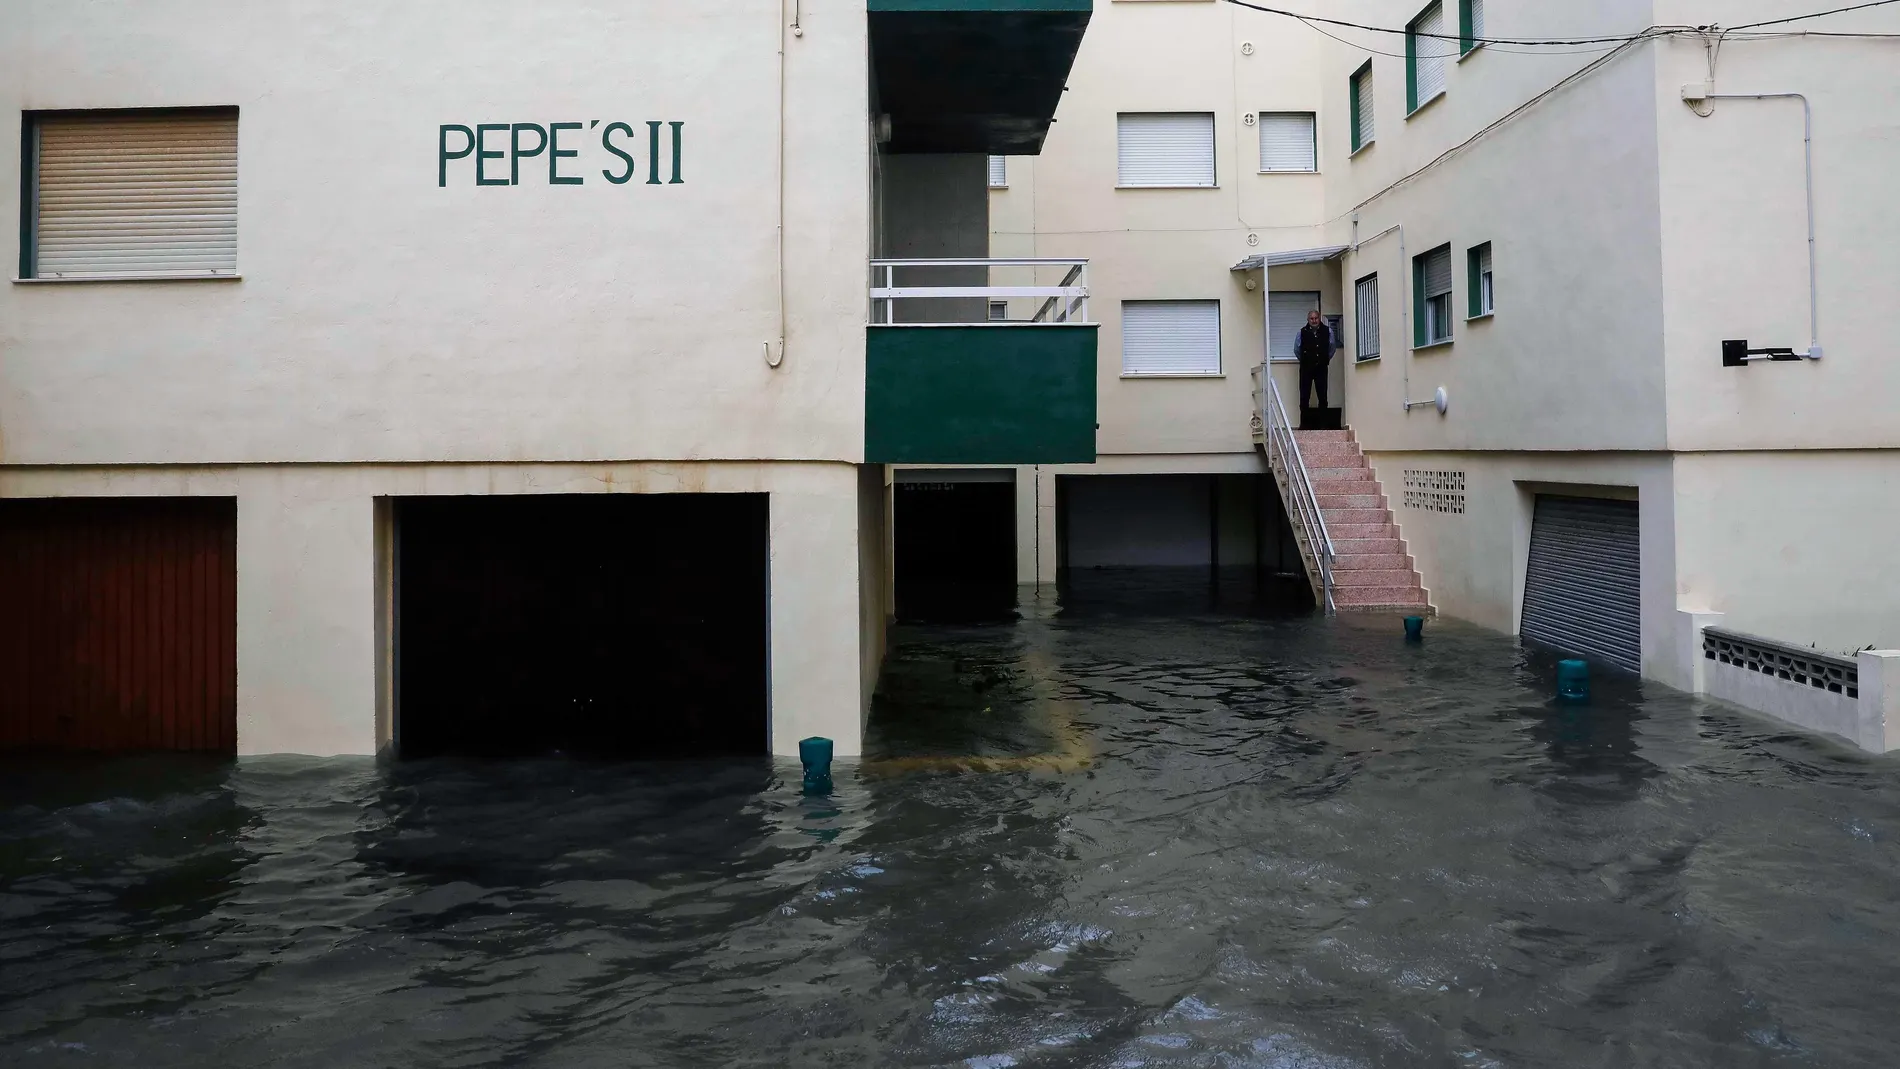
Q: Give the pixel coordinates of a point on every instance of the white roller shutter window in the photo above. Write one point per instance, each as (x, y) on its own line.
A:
(1363, 80)
(130, 194)
(1286, 314)
(1366, 317)
(1476, 7)
(1165, 149)
(1430, 53)
(999, 172)
(1437, 265)
(1170, 337)
(1287, 141)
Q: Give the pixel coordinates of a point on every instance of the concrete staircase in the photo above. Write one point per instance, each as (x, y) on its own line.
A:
(1372, 571)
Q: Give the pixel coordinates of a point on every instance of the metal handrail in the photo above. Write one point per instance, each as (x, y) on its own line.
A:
(1069, 300)
(1302, 502)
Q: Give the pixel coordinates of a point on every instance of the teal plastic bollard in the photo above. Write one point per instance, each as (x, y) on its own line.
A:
(1414, 628)
(1573, 681)
(815, 754)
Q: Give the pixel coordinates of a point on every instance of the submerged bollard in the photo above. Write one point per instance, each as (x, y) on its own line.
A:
(815, 754)
(1573, 681)
(1414, 628)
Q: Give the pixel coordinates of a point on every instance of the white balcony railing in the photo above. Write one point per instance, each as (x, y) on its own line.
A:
(998, 292)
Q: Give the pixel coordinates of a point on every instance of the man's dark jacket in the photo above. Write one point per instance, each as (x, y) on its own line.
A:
(1315, 345)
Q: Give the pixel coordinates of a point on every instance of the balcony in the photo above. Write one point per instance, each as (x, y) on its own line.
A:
(979, 361)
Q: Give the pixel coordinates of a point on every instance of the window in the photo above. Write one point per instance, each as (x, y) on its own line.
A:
(1431, 282)
(1161, 150)
(1425, 52)
(999, 311)
(1288, 141)
(1366, 317)
(130, 193)
(1483, 299)
(1361, 90)
(1286, 314)
(1170, 337)
(999, 172)
(1470, 24)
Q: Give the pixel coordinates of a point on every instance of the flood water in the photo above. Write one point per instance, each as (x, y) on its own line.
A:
(1137, 827)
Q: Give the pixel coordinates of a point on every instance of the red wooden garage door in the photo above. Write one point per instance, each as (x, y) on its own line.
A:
(118, 624)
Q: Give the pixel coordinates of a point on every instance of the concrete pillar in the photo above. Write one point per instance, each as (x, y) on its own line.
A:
(306, 626)
(816, 657)
(1879, 700)
(1035, 526)
(1688, 666)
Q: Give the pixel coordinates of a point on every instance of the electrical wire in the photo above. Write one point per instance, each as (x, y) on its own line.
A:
(1614, 40)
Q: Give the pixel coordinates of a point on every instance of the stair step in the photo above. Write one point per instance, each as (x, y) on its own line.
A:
(1398, 577)
(1354, 516)
(1326, 454)
(1363, 547)
(1371, 562)
(1372, 598)
(1334, 487)
(1304, 437)
(1332, 472)
(1349, 532)
(1330, 502)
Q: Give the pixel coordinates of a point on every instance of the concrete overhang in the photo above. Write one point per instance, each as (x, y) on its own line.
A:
(973, 75)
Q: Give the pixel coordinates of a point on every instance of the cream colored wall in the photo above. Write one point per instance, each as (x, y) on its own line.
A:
(1473, 564)
(1566, 195)
(308, 646)
(1794, 545)
(1735, 238)
(874, 581)
(381, 318)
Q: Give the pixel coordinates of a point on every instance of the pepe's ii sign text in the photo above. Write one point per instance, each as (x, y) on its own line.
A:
(513, 153)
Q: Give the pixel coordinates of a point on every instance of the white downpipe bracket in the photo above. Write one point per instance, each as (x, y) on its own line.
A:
(1807, 144)
(1439, 400)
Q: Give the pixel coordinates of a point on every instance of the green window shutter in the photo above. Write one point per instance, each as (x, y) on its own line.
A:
(1474, 301)
(1411, 71)
(1464, 26)
(1352, 92)
(1418, 302)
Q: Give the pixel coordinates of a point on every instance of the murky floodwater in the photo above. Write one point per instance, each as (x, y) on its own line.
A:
(1200, 838)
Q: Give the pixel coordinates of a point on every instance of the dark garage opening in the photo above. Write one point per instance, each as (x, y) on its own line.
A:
(627, 625)
(955, 546)
(118, 624)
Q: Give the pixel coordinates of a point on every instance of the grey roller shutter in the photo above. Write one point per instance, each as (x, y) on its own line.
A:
(1582, 588)
(999, 172)
(1171, 337)
(1366, 305)
(1165, 149)
(1363, 80)
(1430, 53)
(1286, 314)
(1437, 265)
(136, 194)
(1287, 141)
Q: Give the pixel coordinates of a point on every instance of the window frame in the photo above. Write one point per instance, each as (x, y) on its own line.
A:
(1260, 129)
(30, 159)
(995, 307)
(1220, 340)
(1422, 303)
(1359, 353)
(1481, 285)
(1213, 150)
(1468, 28)
(1353, 92)
(1413, 102)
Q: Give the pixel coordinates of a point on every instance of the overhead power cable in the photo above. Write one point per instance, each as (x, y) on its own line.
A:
(1611, 40)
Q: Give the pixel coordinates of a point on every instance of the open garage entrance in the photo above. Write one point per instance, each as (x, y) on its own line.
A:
(1195, 536)
(118, 624)
(600, 624)
(955, 544)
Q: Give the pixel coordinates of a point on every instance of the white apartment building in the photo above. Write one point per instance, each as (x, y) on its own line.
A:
(466, 374)
(1536, 254)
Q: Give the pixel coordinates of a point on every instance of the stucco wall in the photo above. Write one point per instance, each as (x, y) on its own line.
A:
(309, 679)
(382, 316)
(1793, 545)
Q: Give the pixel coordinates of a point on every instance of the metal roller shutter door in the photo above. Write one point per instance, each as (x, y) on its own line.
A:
(1582, 588)
(131, 194)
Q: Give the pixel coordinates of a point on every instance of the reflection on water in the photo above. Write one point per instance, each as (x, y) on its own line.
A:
(1293, 842)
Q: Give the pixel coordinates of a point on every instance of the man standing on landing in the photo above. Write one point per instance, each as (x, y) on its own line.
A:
(1315, 350)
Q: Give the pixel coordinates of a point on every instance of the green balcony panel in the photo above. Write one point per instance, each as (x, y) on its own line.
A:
(979, 395)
